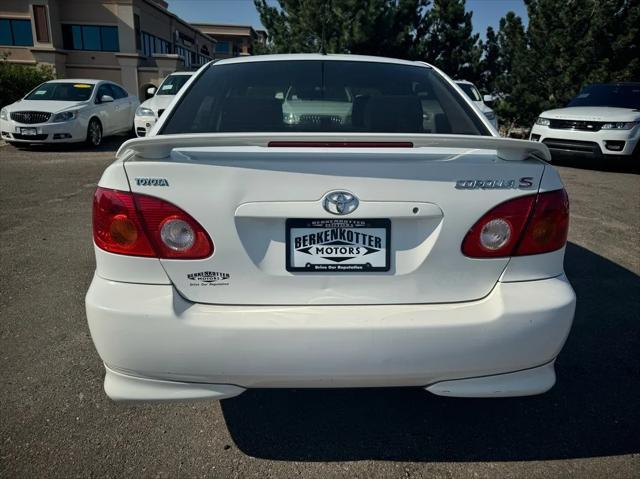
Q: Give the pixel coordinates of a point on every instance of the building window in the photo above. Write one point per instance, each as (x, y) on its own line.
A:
(152, 44)
(223, 47)
(90, 37)
(204, 50)
(186, 55)
(41, 23)
(15, 32)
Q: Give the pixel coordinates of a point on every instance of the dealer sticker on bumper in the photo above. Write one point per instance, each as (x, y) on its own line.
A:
(338, 245)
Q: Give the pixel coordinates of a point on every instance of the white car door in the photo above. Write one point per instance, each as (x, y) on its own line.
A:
(123, 105)
(107, 110)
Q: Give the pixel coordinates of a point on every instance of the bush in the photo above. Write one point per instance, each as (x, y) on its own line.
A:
(17, 80)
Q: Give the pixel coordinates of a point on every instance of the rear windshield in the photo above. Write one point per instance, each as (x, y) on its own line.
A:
(322, 96)
(619, 96)
(61, 91)
(172, 84)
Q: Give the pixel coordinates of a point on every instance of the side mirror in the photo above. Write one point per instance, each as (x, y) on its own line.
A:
(488, 98)
(279, 96)
(106, 99)
(151, 91)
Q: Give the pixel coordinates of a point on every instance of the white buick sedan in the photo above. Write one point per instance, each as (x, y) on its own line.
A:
(399, 243)
(69, 111)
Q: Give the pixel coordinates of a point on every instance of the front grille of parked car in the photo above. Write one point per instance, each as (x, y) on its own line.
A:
(576, 125)
(573, 145)
(17, 136)
(324, 120)
(30, 117)
(160, 112)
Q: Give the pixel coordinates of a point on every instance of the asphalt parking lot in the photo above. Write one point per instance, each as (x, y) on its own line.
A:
(55, 420)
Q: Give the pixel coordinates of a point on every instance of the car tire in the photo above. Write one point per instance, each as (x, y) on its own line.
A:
(94, 133)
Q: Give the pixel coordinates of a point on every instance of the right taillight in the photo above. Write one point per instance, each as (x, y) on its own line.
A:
(140, 225)
(525, 225)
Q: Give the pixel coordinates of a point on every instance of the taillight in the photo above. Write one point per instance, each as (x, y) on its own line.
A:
(525, 225)
(139, 225)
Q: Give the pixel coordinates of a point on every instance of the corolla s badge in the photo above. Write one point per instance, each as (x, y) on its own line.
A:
(340, 202)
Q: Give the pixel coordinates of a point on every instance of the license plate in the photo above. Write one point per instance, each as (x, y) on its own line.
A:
(338, 245)
(29, 131)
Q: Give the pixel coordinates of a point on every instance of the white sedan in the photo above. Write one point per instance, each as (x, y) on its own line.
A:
(150, 110)
(236, 249)
(69, 111)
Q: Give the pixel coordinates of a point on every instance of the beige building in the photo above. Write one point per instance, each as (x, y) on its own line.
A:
(232, 40)
(132, 42)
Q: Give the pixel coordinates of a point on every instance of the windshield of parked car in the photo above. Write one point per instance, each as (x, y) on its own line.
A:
(322, 96)
(617, 96)
(61, 91)
(172, 84)
(471, 91)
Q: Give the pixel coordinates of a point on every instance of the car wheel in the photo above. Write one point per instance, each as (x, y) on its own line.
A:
(94, 133)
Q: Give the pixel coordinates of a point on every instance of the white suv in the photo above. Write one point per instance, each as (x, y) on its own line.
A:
(602, 121)
(403, 244)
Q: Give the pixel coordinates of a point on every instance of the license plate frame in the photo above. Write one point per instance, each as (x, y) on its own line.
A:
(367, 240)
(29, 131)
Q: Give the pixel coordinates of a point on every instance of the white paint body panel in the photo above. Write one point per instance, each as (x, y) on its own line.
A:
(215, 185)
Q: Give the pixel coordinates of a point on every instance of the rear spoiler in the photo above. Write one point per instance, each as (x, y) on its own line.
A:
(156, 147)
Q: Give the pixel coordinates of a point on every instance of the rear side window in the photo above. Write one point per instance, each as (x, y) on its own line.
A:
(322, 96)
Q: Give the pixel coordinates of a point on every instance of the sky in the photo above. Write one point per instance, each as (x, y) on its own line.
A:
(242, 12)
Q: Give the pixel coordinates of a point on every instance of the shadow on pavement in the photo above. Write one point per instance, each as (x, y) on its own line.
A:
(110, 143)
(592, 411)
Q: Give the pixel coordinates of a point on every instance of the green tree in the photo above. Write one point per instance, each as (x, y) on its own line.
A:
(567, 45)
(449, 42)
(489, 66)
(17, 80)
(369, 27)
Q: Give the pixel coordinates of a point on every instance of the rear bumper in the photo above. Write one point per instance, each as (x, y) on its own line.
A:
(158, 346)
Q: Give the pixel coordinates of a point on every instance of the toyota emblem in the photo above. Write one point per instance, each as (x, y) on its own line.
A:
(340, 202)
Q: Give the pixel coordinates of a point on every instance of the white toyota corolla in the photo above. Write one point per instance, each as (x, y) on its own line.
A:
(150, 110)
(69, 111)
(401, 244)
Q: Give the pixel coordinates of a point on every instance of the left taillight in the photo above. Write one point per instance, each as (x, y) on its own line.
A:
(140, 225)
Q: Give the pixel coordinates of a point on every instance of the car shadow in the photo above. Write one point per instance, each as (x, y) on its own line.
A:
(110, 143)
(592, 410)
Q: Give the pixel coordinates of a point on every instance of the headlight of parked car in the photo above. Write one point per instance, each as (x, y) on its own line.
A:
(65, 116)
(490, 115)
(291, 118)
(619, 125)
(543, 121)
(142, 111)
(3, 114)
